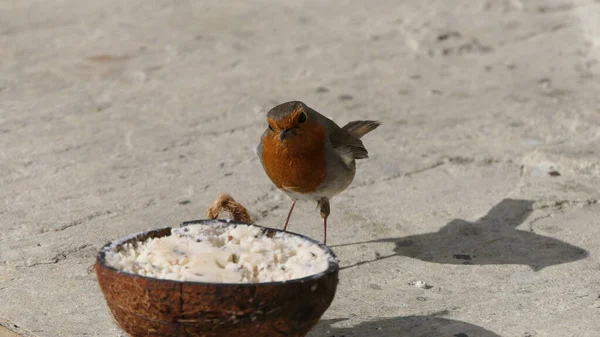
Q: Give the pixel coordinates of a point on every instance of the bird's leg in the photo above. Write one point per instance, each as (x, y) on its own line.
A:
(289, 215)
(324, 209)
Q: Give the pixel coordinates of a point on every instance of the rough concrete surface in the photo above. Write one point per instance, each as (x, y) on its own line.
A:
(483, 181)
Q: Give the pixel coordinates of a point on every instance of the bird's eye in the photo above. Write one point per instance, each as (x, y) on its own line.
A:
(270, 127)
(302, 117)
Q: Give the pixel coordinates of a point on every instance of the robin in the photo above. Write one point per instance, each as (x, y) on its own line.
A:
(308, 156)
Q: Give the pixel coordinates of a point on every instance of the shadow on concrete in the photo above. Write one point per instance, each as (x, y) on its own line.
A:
(409, 326)
(493, 239)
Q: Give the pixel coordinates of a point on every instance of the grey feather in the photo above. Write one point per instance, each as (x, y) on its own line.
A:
(350, 153)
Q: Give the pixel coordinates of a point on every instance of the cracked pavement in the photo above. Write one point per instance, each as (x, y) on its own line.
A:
(483, 180)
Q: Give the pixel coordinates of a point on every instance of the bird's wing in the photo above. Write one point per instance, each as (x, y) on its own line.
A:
(348, 139)
(343, 142)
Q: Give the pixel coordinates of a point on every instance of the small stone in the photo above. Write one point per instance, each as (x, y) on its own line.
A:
(421, 285)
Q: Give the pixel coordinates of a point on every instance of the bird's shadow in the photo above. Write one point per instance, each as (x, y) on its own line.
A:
(407, 326)
(493, 239)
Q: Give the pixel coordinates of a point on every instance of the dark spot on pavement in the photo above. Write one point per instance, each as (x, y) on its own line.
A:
(554, 173)
(462, 257)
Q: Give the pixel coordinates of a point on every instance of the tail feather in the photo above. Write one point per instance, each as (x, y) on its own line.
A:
(360, 128)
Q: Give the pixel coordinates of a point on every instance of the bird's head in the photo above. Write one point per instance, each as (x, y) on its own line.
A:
(289, 119)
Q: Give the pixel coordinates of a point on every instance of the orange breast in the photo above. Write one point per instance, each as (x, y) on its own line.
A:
(298, 163)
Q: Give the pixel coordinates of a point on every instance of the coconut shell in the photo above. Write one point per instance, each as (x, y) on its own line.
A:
(144, 306)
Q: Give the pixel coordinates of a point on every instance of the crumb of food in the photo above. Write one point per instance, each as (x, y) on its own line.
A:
(421, 285)
(221, 254)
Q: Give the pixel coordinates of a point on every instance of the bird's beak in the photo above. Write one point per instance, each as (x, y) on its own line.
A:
(284, 133)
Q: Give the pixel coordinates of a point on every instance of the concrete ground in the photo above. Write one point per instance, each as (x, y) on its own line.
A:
(483, 181)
